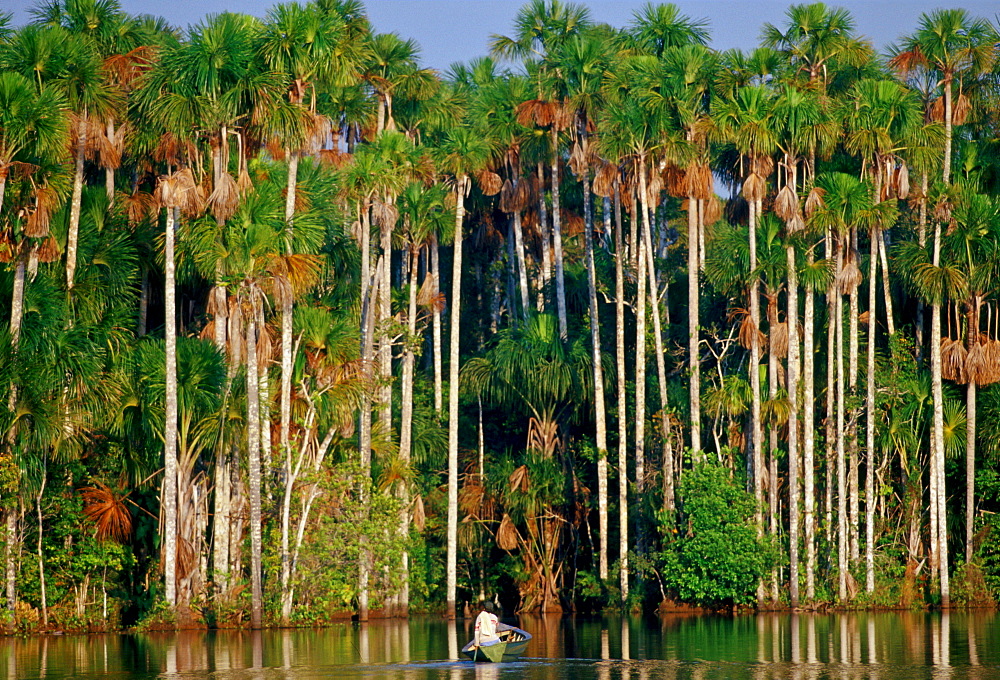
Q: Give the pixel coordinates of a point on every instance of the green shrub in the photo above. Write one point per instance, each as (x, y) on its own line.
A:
(712, 556)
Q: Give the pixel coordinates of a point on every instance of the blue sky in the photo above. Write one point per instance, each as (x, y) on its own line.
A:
(458, 30)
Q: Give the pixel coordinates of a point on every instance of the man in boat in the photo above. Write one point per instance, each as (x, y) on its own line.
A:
(486, 626)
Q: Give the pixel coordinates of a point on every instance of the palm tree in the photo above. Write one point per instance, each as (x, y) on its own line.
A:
(955, 45)
(463, 152)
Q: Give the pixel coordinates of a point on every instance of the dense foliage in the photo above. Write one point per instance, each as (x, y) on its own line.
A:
(297, 328)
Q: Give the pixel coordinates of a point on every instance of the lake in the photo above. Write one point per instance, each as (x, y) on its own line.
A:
(872, 646)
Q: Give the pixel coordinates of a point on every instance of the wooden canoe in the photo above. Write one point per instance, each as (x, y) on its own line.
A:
(513, 642)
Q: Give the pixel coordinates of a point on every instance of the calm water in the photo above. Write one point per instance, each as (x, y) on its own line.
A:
(802, 647)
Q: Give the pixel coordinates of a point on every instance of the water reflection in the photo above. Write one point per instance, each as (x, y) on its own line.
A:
(802, 646)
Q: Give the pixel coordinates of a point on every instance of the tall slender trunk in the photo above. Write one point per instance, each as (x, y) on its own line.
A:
(830, 429)
(600, 419)
(557, 238)
(385, 341)
(792, 318)
(809, 437)
(368, 315)
(640, 339)
(76, 201)
(436, 325)
(757, 434)
(170, 423)
(886, 288)
(842, 549)
(253, 467)
(11, 549)
(109, 173)
(287, 318)
(622, 404)
(455, 313)
(661, 368)
(543, 222)
(971, 339)
(922, 242)
(852, 423)
(41, 559)
(522, 268)
(938, 496)
(406, 430)
(870, 493)
(773, 365)
(694, 363)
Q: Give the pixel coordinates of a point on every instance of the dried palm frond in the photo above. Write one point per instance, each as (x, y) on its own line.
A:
(676, 181)
(519, 479)
(564, 115)
(334, 158)
(245, 184)
(749, 331)
(943, 211)
(850, 277)
(960, 109)
(992, 352)
(902, 181)
(489, 182)
(863, 318)
(753, 187)
(108, 512)
(572, 224)
(384, 214)
(577, 159)
(711, 211)
(796, 224)
(543, 436)
(418, 514)
(507, 197)
(507, 535)
(537, 112)
(39, 217)
(976, 365)
(699, 182)
(815, 201)
(786, 203)
(49, 251)
(762, 166)
(187, 560)
(604, 180)
(953, 355)
(138, 206)
(779, 340)
(470, 498)
(225, 198)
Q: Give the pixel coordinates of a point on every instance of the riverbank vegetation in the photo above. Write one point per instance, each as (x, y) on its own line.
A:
(299, 329)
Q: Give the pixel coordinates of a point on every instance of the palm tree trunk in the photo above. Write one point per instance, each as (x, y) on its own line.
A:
(456, 301)
(852, 436)
(886, 288)
(870, 413)
(41, 560)
(436, 325)
(842, 549)
(922, 242)
(406, 431)
(830, 429)
(522, 268)
(287, 318)
(253, 467)
(385, 342)
(109, 173)
(792, 317)
(557, 238)
(661, 368)
(809, 438)
(598, 367)
(368, 315)
(543, 222)
(694, 362)
(76, 201)
(937, 394)
(622, 404)
(772, 457)
(640, 339)
(12, 546)
(170, 423)
(757, 435)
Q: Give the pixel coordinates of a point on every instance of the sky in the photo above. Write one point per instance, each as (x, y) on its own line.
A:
(450, 31)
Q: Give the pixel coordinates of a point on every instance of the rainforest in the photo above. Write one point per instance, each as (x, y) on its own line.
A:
(295, 329)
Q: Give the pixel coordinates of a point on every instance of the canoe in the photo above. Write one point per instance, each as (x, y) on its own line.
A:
(513, 642)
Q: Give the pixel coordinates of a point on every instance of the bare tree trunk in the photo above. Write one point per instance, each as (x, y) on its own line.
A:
(385, 341)
(41, 560)
(522, 268)
(76, 201)
(852, 423)
(253, 467)
(757, 434)
(454, 358)
(170, 423)
(287, 318)
(109, 173)
(809, 439)
(792, 319)
(436, 326)
(842, 549)
(11, 550)
(938, 496)
(543, 224)
(870, 493)
(406, 430)
(622, 404)
(694, 363)
(368, 315)
(640, 339)
(600, 419)
(557, 238)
